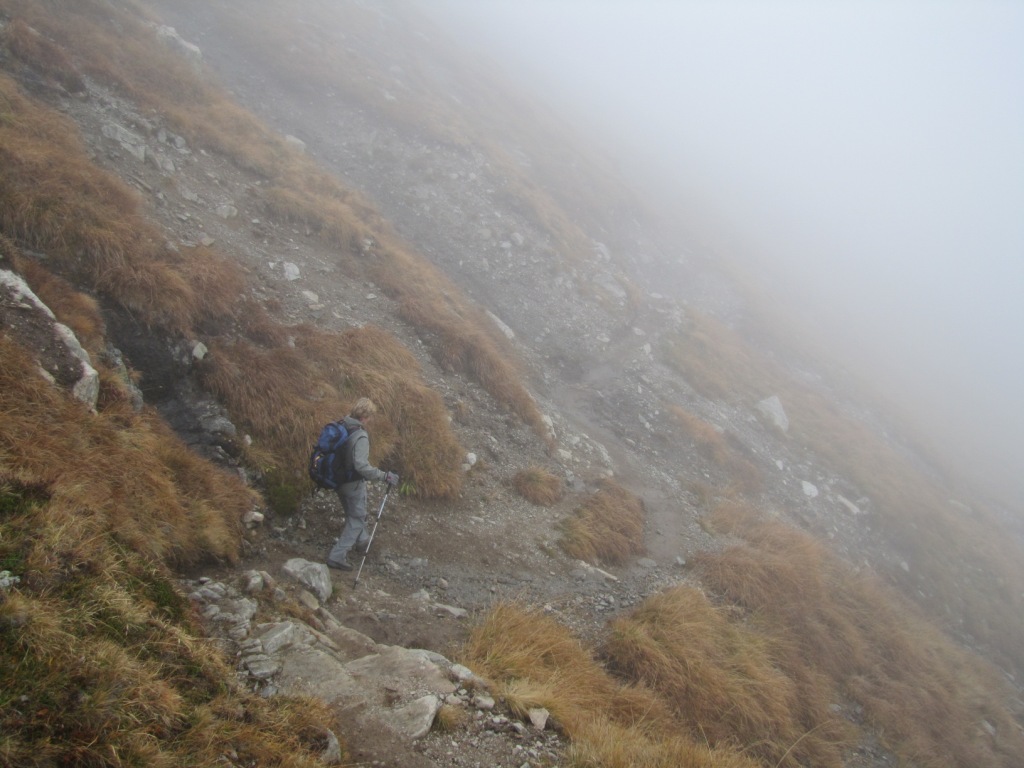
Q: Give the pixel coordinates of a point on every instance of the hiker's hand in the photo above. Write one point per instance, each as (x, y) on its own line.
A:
(391, 479)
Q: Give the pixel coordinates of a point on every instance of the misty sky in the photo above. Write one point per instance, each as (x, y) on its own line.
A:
(871, 153)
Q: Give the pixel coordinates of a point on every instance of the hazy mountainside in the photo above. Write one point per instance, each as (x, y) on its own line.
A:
(415, 230)
(455, 188)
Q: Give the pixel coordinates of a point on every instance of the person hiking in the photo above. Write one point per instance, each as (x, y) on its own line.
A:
(353, 493)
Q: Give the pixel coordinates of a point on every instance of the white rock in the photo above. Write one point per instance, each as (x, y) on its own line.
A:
(854, 509)
(539, 718)
(772, 409)
(169, 36)
(461, 673)
(291, 271)
(505, 330)
(8, 580)
(810, 489)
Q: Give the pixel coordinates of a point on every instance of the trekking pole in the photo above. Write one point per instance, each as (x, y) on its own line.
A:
(376, 522)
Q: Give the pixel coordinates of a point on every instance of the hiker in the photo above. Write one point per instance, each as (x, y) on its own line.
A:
(353, 493)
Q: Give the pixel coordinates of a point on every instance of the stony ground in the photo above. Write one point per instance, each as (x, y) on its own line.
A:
(435, 567)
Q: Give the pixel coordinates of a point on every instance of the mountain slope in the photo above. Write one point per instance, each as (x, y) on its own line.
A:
(281, 267)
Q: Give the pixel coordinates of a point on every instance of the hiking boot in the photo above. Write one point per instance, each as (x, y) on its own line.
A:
(341, 565)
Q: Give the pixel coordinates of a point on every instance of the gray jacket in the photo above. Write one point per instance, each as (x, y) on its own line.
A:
(360, 448)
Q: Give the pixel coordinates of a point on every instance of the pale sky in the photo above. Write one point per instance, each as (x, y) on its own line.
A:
(869, 154)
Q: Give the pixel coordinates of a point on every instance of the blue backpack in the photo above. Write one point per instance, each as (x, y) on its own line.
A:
(328, 459)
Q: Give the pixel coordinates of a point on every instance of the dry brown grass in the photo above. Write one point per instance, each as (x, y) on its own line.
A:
(724, 682)
(964, 567)
(536, 662)
(742, 475)
(53, 200)
(709, 440)
(463, 338)
(182, 508)
(296, 190)
(283, 394)
(927, 695)
(487, 119)
(538, 486)
(450, 718)
(99, 661)
(43, 56)
(608, 527)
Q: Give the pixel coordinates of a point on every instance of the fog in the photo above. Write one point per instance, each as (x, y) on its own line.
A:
(866, 157)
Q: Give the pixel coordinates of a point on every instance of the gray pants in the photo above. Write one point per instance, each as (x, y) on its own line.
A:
(353, 501)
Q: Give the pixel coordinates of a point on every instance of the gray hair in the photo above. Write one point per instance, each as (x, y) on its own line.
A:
(363, 408)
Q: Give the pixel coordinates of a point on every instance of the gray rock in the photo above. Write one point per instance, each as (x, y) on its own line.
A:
(458, 613)
(312, 575)
(276, 636)
(771, 408)
(408, 668)
(130, 142)
(415, 719)
(253, 582)
(332, 753)
(261, 667)
(308, 600)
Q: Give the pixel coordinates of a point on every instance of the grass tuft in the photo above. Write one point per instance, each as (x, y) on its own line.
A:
(716, 446)
(608, 527)
(534, 661)
(723, 680)
(538, 486)
(860, 638)
(282, 394)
